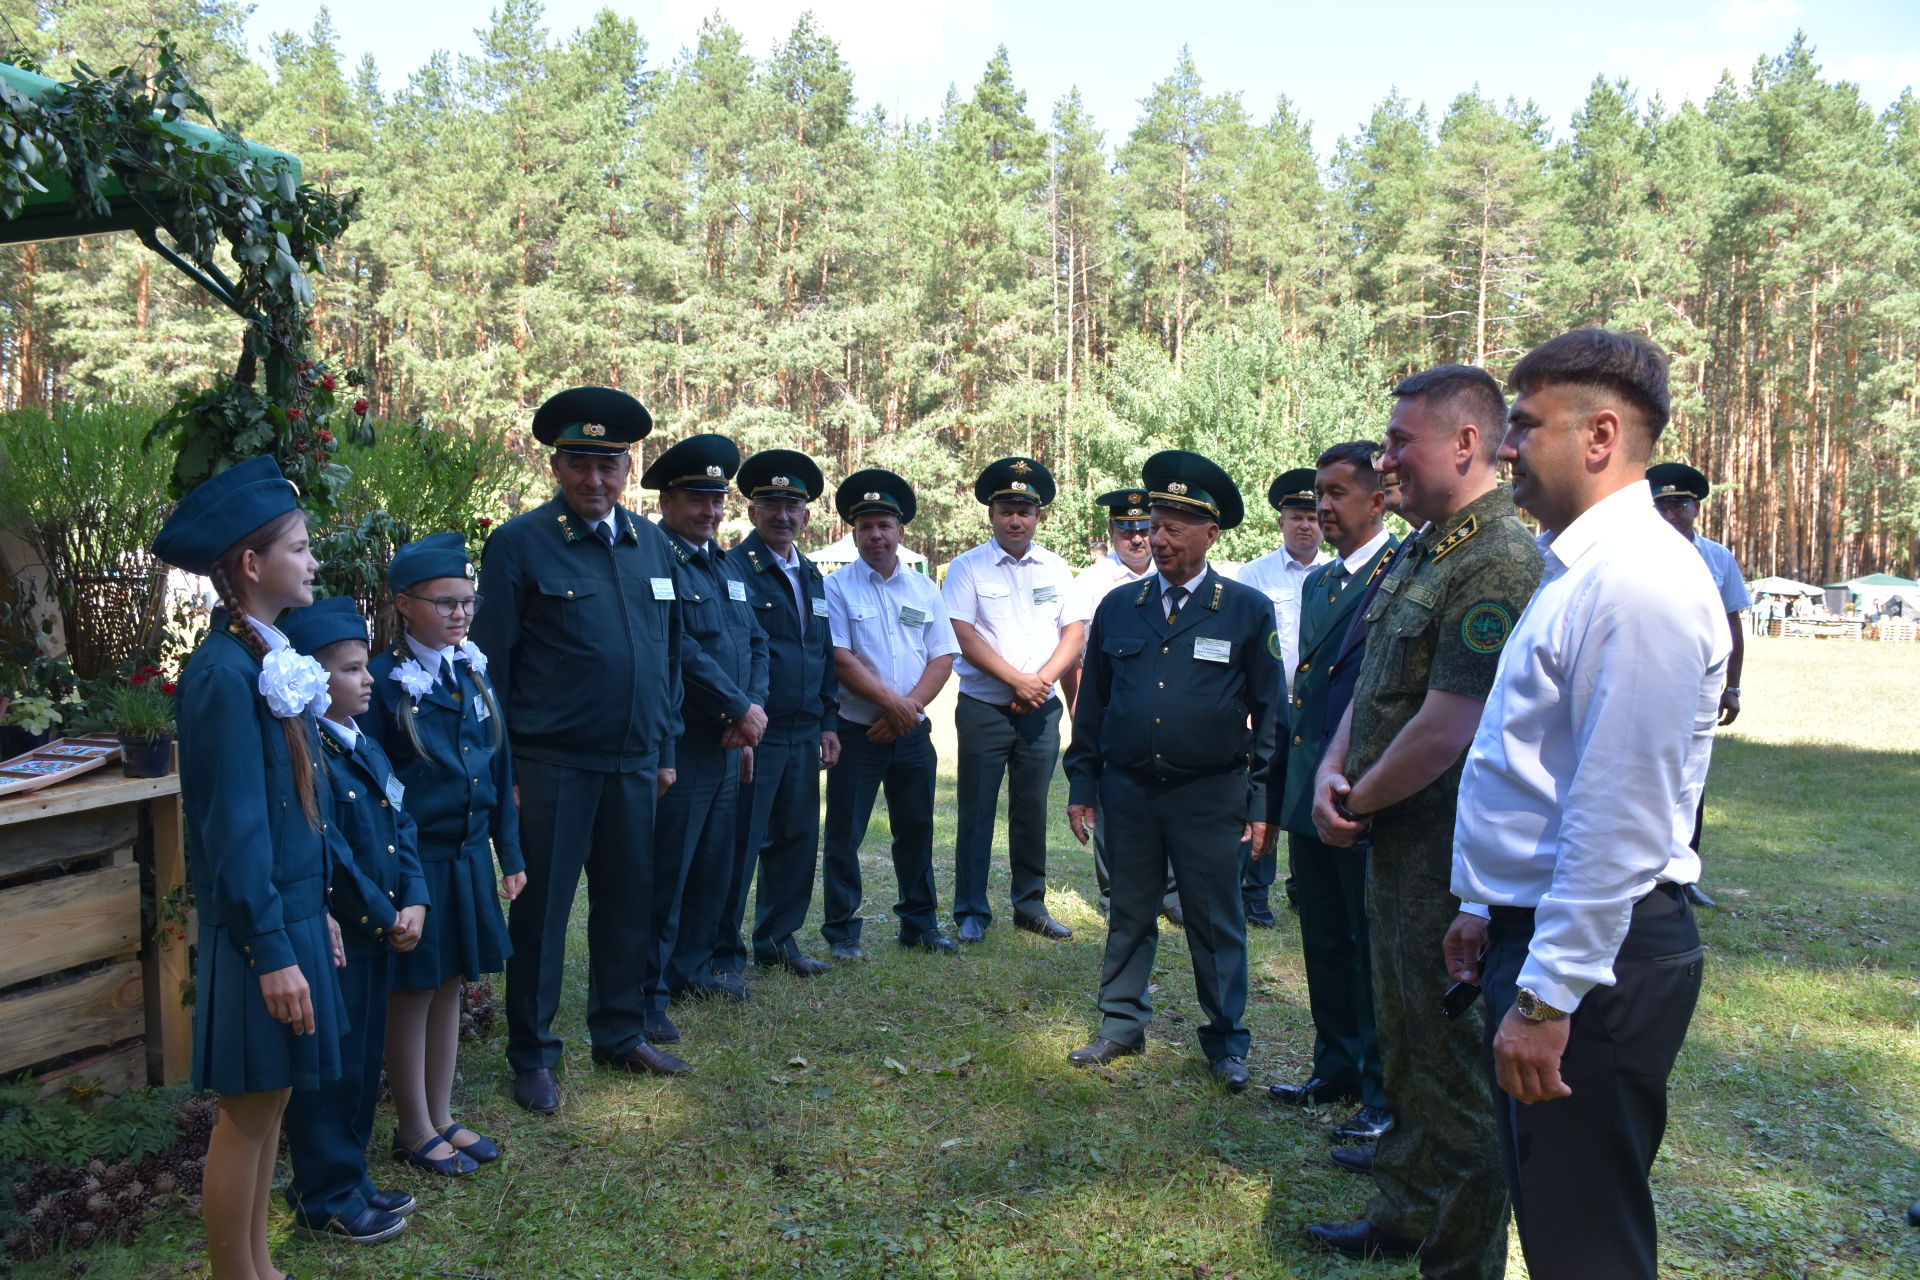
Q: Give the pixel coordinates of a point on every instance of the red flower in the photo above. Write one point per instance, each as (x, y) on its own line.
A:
(360, 407)
(139, 677)
(326, 382)
(326, 437)
(293, 415)
(168, 686)
(485, 523)
(300, 444)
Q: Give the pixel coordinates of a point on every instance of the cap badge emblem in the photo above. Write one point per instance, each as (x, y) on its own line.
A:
(782, 482)
(1020, 467)
(1019, 486)
(870, 497)
(1135, 499)
(715, 470)
(1176, 488)
(592, 429)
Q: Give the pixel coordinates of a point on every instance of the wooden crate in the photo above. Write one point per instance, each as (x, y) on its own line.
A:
(83, 994)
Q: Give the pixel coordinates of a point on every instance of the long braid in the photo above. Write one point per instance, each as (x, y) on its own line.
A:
(295, 727)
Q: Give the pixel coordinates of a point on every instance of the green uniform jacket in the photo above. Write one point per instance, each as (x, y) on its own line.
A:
(1439, 621)
(803, 691)
(1151, 703)
(724, 659)
(1324, 616)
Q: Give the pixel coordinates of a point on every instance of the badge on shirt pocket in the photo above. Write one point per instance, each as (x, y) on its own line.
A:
(736, 590)
(1209, 650)
(1045, 595)
(662, 588)
(480, 711)
(912, 617)
(395, 791)
(819, 607)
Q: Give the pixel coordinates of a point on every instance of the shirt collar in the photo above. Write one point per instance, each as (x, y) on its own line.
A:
(348, 733)
(1005, 556)
(1592, 526)
(269, 633)
(875, 576)
(1358, 560)
(432, 658)
(1191, 584)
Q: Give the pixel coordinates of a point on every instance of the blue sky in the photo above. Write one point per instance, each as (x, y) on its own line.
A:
(1335, 61)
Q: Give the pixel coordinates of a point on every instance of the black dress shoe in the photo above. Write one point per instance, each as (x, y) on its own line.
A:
(729, 986)
(1313, 1093)
(1362, 1240)
(536, 1091)
(1368, 1124)
(798, 966)
(931, 940)
(1046, 926)
(1260, 917)
(1913, 1214)
(1100, 1052)
(1354, 1159)
(1698, 896)
(658, 1028)
(1231, 1072)
(1175, 916)
(643, 1060)
(846, 951)
(369, 1226)
(397, 1203)
(973, 929)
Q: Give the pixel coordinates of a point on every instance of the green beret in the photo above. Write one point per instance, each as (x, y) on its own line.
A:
(324, 622)
(1183, 481)
(702, 464)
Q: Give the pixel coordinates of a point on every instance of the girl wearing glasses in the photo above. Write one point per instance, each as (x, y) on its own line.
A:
(435, 712)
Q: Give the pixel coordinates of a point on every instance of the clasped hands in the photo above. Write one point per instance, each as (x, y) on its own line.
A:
(899, 716)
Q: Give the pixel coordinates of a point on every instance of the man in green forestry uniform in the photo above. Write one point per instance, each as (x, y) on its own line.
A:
(1332, 882)
(1392, 770)
(1181, 703)
(582, 628)
(696, 860)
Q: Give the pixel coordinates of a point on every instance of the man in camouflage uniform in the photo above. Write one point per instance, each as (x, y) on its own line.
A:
(1392, 770)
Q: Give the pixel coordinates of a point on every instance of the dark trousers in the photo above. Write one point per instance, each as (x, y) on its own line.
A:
(1256, 881)
(1170, 901)
(998, 742)
(328, 1128)
(780, 827)
(1577, 1166)
(695, 867)
(1333, 943)
(1194, 827)
(906, 768)
(1437, 1172)
(575, 820)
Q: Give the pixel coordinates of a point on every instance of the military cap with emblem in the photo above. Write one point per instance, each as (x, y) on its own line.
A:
(1183, 481)
(874, 489)
(438, 555)
(701, 464)
(1014, 480)
(324, 622)
(591, 420)
(221, 510)
(1125, 507)
(781, 473)
(1676, 480)
(1293, 490)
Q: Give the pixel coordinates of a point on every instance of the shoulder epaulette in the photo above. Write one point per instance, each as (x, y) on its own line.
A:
(753, 558)
(1146, 585)
(1468, 527)
(567, 530)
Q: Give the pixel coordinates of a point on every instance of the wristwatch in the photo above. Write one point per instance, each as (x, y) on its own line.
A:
(1533, 1008)
(1733, 689)
(1340, 807)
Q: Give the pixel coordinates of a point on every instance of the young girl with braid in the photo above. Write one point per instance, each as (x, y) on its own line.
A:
(268, 1014)
(434, 711)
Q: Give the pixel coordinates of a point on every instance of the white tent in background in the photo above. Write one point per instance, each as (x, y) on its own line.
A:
(842, 552)
(1781, 587)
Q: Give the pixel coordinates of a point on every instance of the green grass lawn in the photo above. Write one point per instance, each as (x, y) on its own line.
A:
(915, 1117)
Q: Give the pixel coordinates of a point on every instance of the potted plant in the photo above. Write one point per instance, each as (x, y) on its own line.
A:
(141, 713)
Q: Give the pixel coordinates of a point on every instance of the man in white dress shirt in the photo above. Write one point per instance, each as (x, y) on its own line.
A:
(1575, 810)
(1020, 625)
(893, 650)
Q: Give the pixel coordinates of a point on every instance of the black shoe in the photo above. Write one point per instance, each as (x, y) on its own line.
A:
(1100, 1051)
(1259, 917)
(972, 929)
(846, 950)
(536, 1091)
(1313, 1093)
(728, 985)
(482, 1150)
(1354, 1159)
(1368, 1124)
(1175, 916)
(642, 1060)
(1362, 1240)
(931, 940)
(658, 1028)
(1698, 896)
(457, 1165)
(797, 965)
(1913, 1214)
(1231, 1072)
(369, 1226)
(397, 1203)
(1046, 926)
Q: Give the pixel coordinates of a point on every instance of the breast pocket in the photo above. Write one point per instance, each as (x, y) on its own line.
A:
(1410, 645)
(569, 603)
(995, 601)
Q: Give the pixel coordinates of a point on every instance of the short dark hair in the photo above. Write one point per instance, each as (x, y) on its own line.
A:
(1356, 453)
(1627, 364)
(1464, 393)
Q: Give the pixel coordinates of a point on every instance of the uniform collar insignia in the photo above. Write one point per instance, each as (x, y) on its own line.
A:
(1218, 587)
(1146, 585)
(1461, 532)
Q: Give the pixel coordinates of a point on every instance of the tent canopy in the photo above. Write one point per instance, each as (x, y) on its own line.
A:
(1781, 587)
(1872, 580)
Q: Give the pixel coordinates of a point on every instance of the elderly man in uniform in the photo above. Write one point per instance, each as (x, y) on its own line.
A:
(1180, 706)
(1678, 491)
(780, 802)
(1575, 808)
(893, 650)
(1129, 529)
(1333, 882)
(1282, 574)
(724, 665)
(583, 628)
(1020, 624)
(1392, 770)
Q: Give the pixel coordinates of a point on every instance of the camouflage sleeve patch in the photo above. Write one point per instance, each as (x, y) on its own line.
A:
(1486, 627)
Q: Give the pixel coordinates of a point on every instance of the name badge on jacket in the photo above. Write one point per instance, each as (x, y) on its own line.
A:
(396, 792)
(1045, 595)
(819, 607)
(1206, 650)
(736, 589)
(662, 588)
(912, 617)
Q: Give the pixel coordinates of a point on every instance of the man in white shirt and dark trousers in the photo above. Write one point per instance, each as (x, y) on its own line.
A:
(893, 650)
(1019, 623)
(1575, 809)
